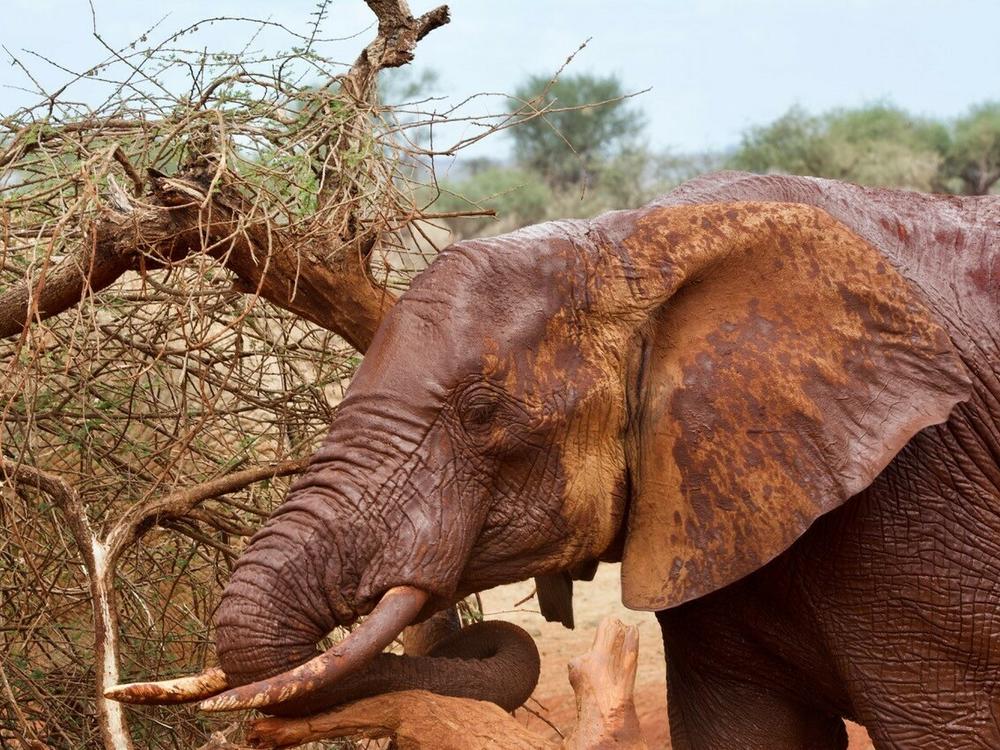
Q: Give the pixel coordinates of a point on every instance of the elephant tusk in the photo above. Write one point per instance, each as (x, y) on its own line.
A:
(395, 611)
(182, 690)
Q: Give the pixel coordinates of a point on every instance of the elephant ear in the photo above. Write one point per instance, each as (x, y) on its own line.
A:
(784, 364)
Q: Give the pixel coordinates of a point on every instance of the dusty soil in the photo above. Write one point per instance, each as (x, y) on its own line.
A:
(553, 699)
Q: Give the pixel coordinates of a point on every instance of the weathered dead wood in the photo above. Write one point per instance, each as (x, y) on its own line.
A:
(398, 34)
(314, 272)
(415, 719)
(603, 680)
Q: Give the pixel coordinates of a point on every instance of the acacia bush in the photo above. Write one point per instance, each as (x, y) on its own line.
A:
(191, 265)
(881, 145)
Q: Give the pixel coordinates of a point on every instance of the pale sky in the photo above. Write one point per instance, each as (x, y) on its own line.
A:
(714, 66)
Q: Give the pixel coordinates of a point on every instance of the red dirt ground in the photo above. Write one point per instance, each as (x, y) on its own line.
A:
(593, 601)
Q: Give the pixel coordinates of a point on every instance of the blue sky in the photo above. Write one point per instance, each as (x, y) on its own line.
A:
(714, 66)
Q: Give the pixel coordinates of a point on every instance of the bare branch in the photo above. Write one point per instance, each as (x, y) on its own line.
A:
(110, 717)
(55, 487)
(143, 516)
(332, 289)
(130, 170)
(398, 34)
(414, 718)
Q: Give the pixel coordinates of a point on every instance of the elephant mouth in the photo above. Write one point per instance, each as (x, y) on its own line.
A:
(395, 610)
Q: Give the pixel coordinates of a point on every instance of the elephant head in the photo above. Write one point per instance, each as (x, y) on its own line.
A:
(682, 388)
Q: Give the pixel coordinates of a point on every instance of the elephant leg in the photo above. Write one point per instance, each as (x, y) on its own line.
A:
(706, 714)
(712, 706)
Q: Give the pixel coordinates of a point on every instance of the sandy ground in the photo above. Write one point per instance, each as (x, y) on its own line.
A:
(592, 601)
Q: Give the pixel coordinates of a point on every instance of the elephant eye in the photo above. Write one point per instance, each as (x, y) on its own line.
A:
(479, 412)
(491, 419)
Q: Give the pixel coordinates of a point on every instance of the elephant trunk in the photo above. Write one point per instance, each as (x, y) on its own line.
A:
(492, 661)
(395, 610)
(272, 614)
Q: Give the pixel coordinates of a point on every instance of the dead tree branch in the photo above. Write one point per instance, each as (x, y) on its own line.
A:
(414, 719)
(141, 517)
(93, 552)
(100, 557)
(398, 34)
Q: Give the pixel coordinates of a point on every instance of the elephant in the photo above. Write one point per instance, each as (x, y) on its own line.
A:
(773, 399)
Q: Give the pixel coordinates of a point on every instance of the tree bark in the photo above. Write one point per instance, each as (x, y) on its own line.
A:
(313, 274)
(114, 246)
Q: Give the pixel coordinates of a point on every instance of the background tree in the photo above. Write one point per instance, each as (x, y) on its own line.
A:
(794, 143)
(575, 159)
(972, 158)
(874, 145)
(585, 119)
(880, 145)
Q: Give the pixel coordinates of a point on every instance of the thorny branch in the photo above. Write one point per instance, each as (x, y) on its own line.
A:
(100, 557)
(209, 207)
(143, 516)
